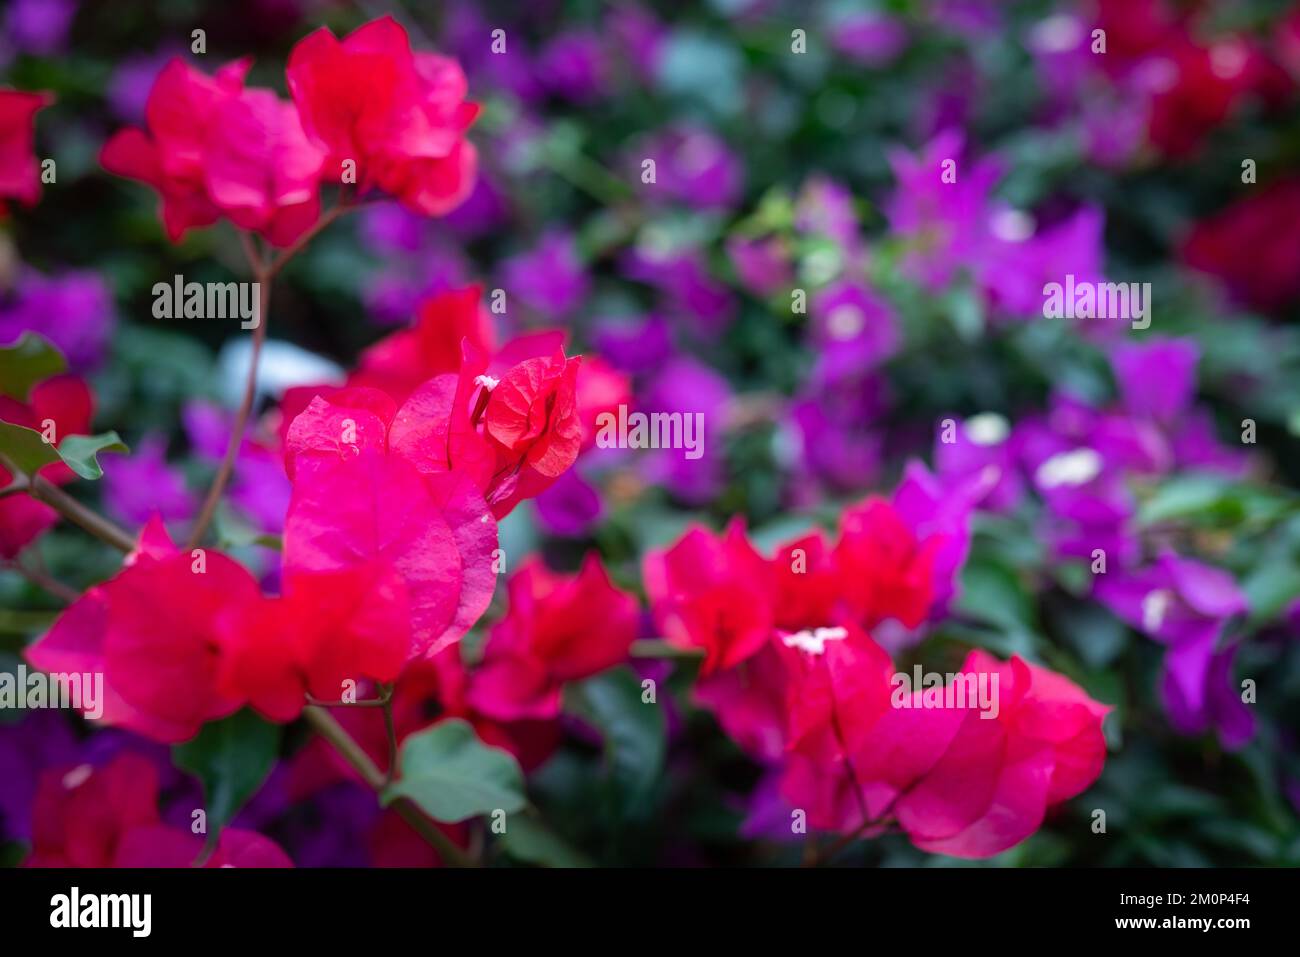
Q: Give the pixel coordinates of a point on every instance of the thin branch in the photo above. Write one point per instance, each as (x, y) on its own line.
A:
(390, 729)
(277, 263)
(241, 417)
(46, 491)
(323, 723)
(44, 581)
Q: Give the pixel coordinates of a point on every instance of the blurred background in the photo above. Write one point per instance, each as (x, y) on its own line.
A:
(796, 151)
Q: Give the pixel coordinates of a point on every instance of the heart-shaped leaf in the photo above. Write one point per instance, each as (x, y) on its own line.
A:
(452, 775)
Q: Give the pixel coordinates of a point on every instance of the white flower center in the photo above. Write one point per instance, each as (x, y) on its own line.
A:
(987, 428)
(77, 776)
(1154, 608)
(1069, 468)
(845, 322)
(1012, 225)
(814, 641)
(1058, 33)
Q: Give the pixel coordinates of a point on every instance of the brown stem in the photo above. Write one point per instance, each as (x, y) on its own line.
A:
(219, 481)
(279, 262)
(390, 729)
(46, 491)
(323, 723)
(47, 582)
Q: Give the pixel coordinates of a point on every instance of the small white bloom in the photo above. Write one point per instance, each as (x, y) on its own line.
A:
(1069, 468)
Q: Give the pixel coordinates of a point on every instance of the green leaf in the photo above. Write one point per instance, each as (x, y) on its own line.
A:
(232, 757)
(27, 449)
(28, 361)
(635, 732)
(79, 452)
(452, 775)
(528, 839)
(992, 593)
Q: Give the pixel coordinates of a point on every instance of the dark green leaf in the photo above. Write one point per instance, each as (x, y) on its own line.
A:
(232, 757)
(528, 839)
(452, 775)
(634, 731)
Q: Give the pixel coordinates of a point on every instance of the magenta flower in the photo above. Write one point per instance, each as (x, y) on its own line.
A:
(1185, 605)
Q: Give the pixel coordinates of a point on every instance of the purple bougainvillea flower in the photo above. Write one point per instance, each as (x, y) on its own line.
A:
(570, 507)
(73, 310)
(38, 27)
(142, 484)
(836, 420)
(636, 345)
(41, 739)
(692, 165)
(389, 227)
(982, 452)
(762, 265)
(260, 488)
(1020, 259)
(132, 81)
(574, 66)
(1156, 377)
(1185, 604)
(852, 327)
(946, 222)
(1218, 706)
(686, 385)
(550, 277)
(869, 38)
(705, 305)
(932, 507)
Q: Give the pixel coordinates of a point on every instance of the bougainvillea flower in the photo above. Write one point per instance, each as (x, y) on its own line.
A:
(692, 166)
(853, 327)
(1185, 604)
(152, 631)
(143, 483)
(888, 571)
(1219, 706)
(398, 115)
(354, 503)
(946, 219)
(532, 419)
(20, 172)
(712, 592)
(558, 628)
(550, 277)
(73, 309)
(214, 147)
(686, 386)
(993, 784)
(58, 407)
(749, 701)
(108, 817)
(837, 689)
(1252, 245)
(980, 453)
(1157, 377)
(328, 628)
(401, 362)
